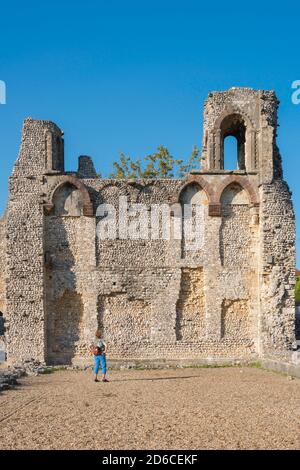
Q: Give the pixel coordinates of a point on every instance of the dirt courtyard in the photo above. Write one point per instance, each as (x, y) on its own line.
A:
(205, 408)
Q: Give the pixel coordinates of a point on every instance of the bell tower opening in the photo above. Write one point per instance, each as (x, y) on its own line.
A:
(233, 142)
(230, 153)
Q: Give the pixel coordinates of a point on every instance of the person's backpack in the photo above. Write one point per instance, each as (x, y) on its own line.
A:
(97, 350)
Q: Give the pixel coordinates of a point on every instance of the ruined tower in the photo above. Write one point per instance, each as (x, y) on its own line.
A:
(232, 297)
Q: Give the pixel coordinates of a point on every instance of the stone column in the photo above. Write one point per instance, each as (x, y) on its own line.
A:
(25, 246)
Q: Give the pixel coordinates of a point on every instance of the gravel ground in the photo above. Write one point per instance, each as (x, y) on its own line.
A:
(224, 408)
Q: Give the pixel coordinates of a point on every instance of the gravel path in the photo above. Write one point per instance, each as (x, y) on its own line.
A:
(226, 408)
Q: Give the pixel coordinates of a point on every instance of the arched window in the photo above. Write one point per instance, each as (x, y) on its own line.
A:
(193, 202)
(68, 201)
(58, 157)
(230, 153)
(54, 152)
(233, 140)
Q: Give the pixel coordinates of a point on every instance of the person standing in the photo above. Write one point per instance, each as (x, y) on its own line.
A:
(99, 349)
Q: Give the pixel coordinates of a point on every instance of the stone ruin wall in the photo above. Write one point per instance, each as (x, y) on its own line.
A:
(149, 300)
(3, 265)
(277, 266)
(232, 298)
(3, 274)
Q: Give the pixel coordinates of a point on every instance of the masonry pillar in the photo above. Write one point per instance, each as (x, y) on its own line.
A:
(25, 233)
(277, 270)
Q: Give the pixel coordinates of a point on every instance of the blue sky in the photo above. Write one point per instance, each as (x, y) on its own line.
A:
(131, 75)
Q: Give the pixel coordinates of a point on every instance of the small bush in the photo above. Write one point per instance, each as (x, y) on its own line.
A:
(297, 290)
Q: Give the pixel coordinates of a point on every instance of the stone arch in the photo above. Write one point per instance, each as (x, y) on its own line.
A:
(194, 203)
(231, 111)
(234, 194)
(233, 122)
(67, 201)
(203, 185)
(189, 192)
(243, 183)
(87, 205)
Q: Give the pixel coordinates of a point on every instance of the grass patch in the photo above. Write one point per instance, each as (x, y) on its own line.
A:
(47, 372)
(211, 366)
(51, 370)
(174, 366)
(255, 365)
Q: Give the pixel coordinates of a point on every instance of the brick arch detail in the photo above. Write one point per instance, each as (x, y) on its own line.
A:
(201, 182)
(245, 184)
(229, 111)
(73, 181)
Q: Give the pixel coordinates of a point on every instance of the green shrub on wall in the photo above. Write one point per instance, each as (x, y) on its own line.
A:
(298, 290)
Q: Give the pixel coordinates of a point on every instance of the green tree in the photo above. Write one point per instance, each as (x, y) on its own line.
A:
(297, 289)
(160, 164)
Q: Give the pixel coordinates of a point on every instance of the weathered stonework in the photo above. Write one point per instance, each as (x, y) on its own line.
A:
(190, 325)
(232, 297)
(3, 266)
(3, 274)
(235, 321)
